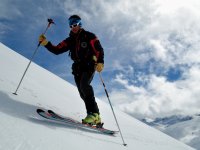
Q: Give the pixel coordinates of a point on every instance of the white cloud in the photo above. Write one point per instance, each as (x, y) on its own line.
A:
(160, 51)
(171, 6)
(8, 10)
(171, 38)
(160, 97)
(167, 37)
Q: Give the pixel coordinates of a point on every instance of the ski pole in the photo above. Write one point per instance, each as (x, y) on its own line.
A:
(50, 21)
(112, 108)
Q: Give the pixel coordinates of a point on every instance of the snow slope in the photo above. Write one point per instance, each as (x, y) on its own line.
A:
(22, 129)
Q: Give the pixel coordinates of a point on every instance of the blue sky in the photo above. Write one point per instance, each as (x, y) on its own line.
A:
(151, 48)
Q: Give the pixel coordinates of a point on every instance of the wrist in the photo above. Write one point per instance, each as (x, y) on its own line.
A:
(44, 42)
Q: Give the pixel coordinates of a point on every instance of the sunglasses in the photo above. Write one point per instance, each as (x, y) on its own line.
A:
(74, 25)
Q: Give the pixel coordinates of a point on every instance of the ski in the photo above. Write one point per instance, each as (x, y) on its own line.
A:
(51, 115)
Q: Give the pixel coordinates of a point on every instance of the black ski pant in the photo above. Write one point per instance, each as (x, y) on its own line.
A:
(83, 80)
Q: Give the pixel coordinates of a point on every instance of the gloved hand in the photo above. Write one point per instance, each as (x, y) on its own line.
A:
(42, 40)
(99, 67)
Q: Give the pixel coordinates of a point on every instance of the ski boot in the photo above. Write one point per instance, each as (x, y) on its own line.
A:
(93, 119)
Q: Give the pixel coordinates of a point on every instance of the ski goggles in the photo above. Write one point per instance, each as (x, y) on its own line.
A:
(74, 22)
(74, 25)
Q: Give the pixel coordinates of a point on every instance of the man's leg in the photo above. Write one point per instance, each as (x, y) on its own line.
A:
(77, 80)
(88, 93)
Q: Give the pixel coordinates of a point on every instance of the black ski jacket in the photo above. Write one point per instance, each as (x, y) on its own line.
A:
(82, 47)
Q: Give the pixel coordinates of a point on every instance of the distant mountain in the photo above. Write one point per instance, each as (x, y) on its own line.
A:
(183, 128)
(167, 121)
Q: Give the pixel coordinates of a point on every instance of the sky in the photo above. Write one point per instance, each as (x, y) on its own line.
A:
(152, 48)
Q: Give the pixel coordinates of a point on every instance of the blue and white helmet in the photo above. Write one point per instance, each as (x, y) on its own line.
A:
(75, 19)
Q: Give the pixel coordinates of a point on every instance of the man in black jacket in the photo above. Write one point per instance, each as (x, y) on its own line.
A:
(88, 55)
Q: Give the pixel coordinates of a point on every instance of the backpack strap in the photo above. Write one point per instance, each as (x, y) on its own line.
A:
(96, 52)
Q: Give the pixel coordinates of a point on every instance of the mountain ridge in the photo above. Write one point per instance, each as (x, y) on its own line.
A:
(184, 128)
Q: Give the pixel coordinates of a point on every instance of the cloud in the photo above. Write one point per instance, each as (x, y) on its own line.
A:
(163, 40)
(10, 13)
(160, 97)
(171, 6)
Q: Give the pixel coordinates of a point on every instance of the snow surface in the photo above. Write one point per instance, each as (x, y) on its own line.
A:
(22, 129)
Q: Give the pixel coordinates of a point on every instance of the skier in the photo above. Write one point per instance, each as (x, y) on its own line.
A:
(88, 55)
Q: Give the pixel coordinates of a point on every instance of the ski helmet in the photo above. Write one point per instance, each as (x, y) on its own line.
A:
(74, 19)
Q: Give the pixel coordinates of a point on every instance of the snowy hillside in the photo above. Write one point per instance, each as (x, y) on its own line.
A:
(183, 128)
(22, 129)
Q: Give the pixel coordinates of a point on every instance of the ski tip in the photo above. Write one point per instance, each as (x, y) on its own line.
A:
(50, 111)
(39, 110)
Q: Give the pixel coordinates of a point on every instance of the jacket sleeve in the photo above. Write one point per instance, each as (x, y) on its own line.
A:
(60, 48)
(97, 48)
